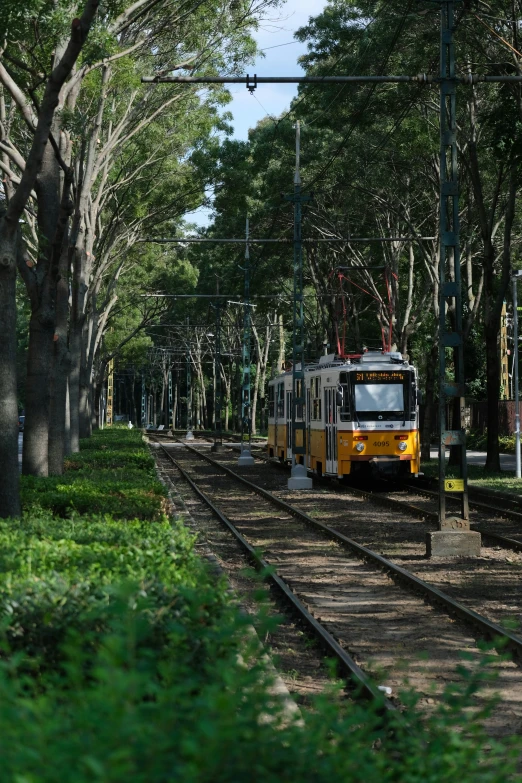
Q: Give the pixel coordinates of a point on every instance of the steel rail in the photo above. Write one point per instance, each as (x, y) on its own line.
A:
(506, 541)
(401, 505)
(487, 627)
(489, 494)
(515, 515)
(348, 665)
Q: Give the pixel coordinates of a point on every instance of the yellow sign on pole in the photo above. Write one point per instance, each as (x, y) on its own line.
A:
(454, 485)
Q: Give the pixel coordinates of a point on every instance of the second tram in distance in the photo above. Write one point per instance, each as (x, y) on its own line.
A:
(361, 415)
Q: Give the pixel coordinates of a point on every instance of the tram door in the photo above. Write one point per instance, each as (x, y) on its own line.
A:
(330, 418)
(289, 425)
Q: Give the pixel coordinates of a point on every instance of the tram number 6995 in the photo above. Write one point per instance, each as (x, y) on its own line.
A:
(381, 442)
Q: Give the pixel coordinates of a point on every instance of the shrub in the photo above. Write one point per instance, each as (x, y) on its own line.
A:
(58, 574)
(120, 659)
(190, 711)
(479, 440)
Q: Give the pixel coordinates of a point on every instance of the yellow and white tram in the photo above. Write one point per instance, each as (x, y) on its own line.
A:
(280, 417)
(361, 414)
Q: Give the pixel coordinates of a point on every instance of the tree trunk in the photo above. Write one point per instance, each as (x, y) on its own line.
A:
(175, 402)
(97, 402)
(281, 355)
(429, 403)
(85, 392)
(36, 431)
(74, 386)
(133, 398)
(41, 289)
(58, 395)
(264, 365)
(67, 439)
(9, 472)
(493, 390)
(59, 374)
(163, 405)
(226, 400)
(237, 401)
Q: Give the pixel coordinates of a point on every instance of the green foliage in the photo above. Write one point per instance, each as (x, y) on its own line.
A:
(120, 659)
(57, 576)
(126, 493)
(190, 711)
(113, 474)
(478, 440)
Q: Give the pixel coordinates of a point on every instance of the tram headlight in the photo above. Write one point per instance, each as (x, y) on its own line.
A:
(359, 447)
(403, 446)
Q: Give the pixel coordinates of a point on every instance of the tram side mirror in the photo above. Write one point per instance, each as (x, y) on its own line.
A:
(419, 397)
(339, 397)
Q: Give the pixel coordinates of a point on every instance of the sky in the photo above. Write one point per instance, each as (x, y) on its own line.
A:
(276, 38)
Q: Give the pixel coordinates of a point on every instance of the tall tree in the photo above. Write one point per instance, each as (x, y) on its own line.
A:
(12, 256)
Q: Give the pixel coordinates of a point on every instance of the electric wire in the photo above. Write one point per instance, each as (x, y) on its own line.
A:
(497, 35)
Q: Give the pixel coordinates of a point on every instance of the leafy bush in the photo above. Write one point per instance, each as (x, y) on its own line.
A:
(120, 659)
(479, 441)
(59, 574)
(191, 711)
(114, 474)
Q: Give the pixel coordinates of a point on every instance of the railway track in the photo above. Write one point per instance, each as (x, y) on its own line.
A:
(487, 512)
(354, 578)
(505, 507)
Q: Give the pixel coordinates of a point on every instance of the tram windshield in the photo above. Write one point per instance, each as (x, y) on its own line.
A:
(382, 397)
(377, 395)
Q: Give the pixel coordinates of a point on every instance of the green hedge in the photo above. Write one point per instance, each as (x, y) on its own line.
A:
(120, 660)
(113, 474)
(179, 706)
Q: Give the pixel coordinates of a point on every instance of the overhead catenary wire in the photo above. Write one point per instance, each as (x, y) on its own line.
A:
(280, 240)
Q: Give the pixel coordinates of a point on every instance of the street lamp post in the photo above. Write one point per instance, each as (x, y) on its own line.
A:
(514, 278)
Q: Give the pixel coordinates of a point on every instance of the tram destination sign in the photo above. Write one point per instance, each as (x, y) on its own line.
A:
(384, 376)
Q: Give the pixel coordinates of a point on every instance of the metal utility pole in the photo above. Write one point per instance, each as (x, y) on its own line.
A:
(245, 454)
(218, 396)
(515, 277)
(454, 536)
(190, 434)
(169, 408)
(299, 476)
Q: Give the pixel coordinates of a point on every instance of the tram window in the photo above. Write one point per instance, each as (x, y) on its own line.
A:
(315, 388)
(415, 398)
(299, 405)
(344, 412)
(271, 401)
(280, 401)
